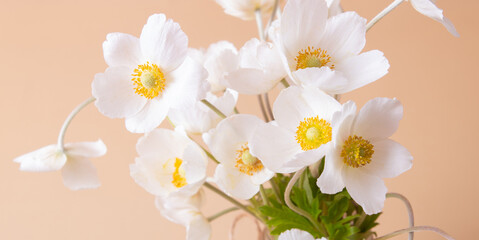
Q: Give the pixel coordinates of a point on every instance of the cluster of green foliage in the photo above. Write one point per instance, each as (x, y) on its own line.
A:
(335, 216)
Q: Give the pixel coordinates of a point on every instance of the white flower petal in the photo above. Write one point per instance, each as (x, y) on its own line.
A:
(44, 159)
(122, 50)
(389, 159)
(162, 143)
(295, 234)
(367, 190)
(249, 81)
(227, 102)
(274, 154)
(307, 158)
(198, 229)
(363, 69)
(186, 84)
(330, 180)
(334, 7)
(245, 9)
(379, 118)
(342, 123)
(79, 173)
(262, 176)
(163, 42)
(218, 64)
(428, 8)
(141, 172)
(323, 78)
(302, 24)
(194, 164)
(115, 93)
(86, 149)
(150, 117)
(234, 183)
(344, 36)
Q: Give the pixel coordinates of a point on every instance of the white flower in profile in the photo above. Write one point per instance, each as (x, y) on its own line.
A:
(326, 53)
(428, 8)
(186, 211)
(147, 76)
(362, 153)
(301, 132)
(296, 234)
(199, 118)
(259, 68)
(77, 170)
(245, 9)
(169, 163)
(219, 59)
(239, 173)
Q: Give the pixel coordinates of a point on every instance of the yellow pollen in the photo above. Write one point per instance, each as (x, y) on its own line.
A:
(313, 132)
(312, 57)
(247, 163)
(179, 179)
(149, 80)
(357, 151)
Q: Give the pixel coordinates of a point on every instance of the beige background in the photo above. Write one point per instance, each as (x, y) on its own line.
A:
(50, 50)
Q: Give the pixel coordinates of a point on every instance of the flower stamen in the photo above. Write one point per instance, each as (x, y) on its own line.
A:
(313, 132)
(179, 179)
(357, 151)
(312, 57)
(247, 163)
(149, 80)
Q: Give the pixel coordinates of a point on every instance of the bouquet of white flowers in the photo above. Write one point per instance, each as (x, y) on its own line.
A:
(308, 168)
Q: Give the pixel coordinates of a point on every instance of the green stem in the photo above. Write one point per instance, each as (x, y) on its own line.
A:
(285, 83)
(275, 188)
(383, 13)
(298, 210)
(268, 106)
(263, 111)
(209, 154)
(61, 136)
(416, 229)
(219, 214)
(232, 200)
(212, 107)
(236, 110)
(263, 195)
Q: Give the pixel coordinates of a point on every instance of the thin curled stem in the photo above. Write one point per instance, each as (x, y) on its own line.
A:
(220, 214)
(410, 213)
(289, 203)
(416, 229)
(237, 219)
(383, 13)
(268, 106)
(61, 136)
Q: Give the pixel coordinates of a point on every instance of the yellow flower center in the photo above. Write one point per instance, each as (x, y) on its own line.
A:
(313, 132)
(357, 151)
(312, 57)
(179, 179)
(149, 80)
(247, 163)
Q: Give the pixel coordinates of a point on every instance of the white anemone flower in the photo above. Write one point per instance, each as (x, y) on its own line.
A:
(147, 76)
(296, 234)
(245, 9)
(199, 118)
(240, 173)
(301, 132)
(326, 53)
(259, 68)
(219, 59)
(186, 211)
(334, 7)
(169, 164)
(362, 153)
(429, 9)
(77, 170)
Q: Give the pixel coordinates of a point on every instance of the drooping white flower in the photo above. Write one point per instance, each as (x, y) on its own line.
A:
(147, 76)
(259, 68)
(245, 9)
(199, 118)
(77, 170)
(300, 135)
(219, 59)
(239, 173)
(429, 9)
(296, 234)
(186, 211)
(169, 163)
(362, 153)
(326, 53)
